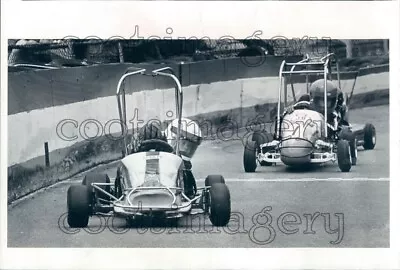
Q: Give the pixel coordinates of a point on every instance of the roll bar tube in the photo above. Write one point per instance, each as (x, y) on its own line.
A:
(325, 62)
(122, 104)
(325, 97)
(122, 101)
(179, 99)
(279, 98)
(178, 93)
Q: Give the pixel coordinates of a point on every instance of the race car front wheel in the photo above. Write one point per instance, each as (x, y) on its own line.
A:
(349, 136)
(220, 204)
(214, 179)
(344, 155)
(210, 181)
(78, 203)
(369, 137)
(250, 157)
(98, 178)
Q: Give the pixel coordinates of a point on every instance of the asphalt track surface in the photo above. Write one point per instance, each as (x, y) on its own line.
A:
(349, 208)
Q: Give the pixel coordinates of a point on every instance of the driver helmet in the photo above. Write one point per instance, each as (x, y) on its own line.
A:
(151, 130)
(190, 137)
(317, 90)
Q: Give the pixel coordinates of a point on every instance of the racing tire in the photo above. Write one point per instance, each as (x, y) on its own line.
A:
(97, 178)
(214, 179)
(249, 157)
(344, 155)
(78, 203)
(261, 138)
(348, 135)
(220, 204)
(211, 180)
(369, 137)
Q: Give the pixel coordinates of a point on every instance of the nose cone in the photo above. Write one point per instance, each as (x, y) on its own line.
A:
(295, 151)
(152, 198)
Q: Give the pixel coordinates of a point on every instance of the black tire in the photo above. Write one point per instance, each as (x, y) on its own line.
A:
(117, 184)
(78, 203)
(348, 135)
(97, 178)
(249, 157)
(214, 179)
(220, 204)
(211, 180)
(261, 138)
(369, 137)
(343, 155)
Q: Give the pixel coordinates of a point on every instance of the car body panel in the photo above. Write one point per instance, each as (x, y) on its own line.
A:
(153, 169)
(300, 130)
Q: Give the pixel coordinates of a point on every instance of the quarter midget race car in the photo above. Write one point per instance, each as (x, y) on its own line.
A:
(314, 128)
(154, 178)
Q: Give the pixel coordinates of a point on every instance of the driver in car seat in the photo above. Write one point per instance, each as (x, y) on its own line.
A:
(188, 145)
(336, 101)
(148, 133)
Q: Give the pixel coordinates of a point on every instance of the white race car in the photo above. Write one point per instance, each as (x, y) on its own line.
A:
(303, 136)
(151, 181)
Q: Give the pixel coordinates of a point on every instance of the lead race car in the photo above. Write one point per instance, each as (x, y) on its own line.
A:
(153, 178)
(303, 135)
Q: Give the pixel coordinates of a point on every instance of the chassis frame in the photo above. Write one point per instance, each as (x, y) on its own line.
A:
(195, 206)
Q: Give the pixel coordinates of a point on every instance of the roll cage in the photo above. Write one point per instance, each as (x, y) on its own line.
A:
(287, 70)
(121, 99)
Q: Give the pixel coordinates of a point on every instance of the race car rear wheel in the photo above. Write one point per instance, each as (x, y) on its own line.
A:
(369, 137)
(78, 203)
(344, 155)
(97, 178)
(249, 157)
(348, 135)
(220, 204)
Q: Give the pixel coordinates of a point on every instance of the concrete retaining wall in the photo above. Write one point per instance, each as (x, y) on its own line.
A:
(30, 90)
(29, 130)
